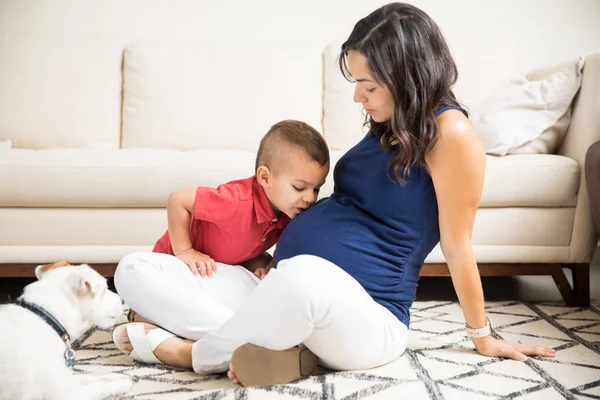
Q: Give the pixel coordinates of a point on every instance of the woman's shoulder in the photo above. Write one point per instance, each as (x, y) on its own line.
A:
(454, 125)
(457, 138)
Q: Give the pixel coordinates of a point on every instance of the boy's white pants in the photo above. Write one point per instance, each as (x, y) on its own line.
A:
(305, 300)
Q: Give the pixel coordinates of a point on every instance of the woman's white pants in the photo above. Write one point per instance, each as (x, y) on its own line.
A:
(306, 300)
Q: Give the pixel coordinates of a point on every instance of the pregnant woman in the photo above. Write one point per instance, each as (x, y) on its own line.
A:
(348, 267)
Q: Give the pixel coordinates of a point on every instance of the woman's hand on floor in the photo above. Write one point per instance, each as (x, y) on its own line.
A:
(492, 347)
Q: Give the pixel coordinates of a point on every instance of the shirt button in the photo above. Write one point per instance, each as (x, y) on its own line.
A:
(275, 220)
(264, 239)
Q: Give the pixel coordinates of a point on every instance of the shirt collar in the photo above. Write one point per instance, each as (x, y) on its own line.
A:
(262, 206)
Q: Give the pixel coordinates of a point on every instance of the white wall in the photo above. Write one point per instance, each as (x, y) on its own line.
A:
(491, 40)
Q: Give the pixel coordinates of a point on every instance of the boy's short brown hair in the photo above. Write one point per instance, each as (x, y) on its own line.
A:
(295, 135)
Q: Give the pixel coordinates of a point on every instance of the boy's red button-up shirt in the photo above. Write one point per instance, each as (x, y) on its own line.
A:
(232, 223)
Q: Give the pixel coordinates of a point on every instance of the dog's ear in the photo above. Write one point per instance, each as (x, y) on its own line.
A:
(40, 270)
(84, 281)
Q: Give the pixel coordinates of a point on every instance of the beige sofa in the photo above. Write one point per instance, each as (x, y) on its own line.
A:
(101, 135)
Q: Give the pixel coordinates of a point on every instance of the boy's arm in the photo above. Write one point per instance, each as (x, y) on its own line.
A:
(180, 208)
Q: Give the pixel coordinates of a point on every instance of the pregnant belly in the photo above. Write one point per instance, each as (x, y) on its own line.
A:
(348, 238)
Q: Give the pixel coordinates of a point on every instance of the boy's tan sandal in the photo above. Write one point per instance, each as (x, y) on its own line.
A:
(257, 366)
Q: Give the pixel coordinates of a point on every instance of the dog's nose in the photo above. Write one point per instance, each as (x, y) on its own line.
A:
(122, 302)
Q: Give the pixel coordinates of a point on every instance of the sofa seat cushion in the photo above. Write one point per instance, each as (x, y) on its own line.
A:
(146, 177)
(500, 235)
(117, 178)
(530, 180)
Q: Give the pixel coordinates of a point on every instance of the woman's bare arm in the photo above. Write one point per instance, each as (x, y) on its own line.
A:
(457, 166)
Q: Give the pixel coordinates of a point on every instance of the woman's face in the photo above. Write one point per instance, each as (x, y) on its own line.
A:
(375, 98)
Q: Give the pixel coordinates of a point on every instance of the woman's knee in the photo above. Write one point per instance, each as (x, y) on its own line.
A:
(309, 276)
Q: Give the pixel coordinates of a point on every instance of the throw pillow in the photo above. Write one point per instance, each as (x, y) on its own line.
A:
(528, 115)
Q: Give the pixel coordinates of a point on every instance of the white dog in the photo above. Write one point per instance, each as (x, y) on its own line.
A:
(34, 358)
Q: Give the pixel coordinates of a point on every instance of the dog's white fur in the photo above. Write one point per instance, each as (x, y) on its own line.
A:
(32, 362)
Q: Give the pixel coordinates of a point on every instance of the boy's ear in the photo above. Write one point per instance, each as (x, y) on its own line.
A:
(263, 175)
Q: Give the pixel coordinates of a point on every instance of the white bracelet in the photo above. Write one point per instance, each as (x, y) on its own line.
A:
(481, 332)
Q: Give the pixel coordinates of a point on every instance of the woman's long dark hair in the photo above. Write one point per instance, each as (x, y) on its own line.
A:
(406, 53)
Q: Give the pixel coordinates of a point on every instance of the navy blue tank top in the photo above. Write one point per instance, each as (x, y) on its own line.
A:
(374, 228)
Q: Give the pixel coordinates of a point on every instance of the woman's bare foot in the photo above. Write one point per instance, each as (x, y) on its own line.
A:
(174, 351)
(231, 375)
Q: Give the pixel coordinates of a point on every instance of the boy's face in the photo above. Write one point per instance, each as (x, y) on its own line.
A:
(294, 185)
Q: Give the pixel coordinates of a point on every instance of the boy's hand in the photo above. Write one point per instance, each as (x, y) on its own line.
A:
(257, 262)
(260, 273)
(198, 262)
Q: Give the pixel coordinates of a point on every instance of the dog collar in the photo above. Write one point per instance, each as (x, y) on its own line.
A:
(58, 328)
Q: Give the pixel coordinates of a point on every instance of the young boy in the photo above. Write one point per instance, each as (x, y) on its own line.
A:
(237, 222)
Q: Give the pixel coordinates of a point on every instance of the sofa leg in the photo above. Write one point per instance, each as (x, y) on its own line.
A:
(579, 295)
(565, 289)
(581, 283)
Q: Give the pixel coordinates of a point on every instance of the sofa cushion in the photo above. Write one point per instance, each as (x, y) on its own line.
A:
(500, 235)
(530, 180)
(60, 91)
(187, 96)
(520, 117)
(146, 177)
(116, 178)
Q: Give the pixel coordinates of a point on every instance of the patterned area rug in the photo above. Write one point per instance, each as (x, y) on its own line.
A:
(440, 362)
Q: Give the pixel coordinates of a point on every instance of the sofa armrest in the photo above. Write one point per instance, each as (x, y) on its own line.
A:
(583, 131)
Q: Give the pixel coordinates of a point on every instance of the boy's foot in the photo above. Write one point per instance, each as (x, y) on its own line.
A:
(253, 365)
(173, 350)
(231, 375)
